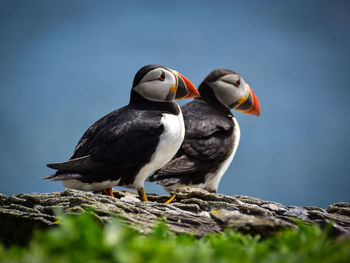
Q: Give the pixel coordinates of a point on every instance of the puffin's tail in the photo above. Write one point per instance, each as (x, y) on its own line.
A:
(51, 176)
(61, 176)
(72, 169)
(152, 178)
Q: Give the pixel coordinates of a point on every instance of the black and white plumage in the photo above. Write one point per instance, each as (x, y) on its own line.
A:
(125, 146)
(212, 133)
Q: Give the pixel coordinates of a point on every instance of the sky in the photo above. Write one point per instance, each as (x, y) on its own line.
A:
(64, 64)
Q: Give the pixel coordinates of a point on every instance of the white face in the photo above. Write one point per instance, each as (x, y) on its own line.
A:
(158, 84)
(229, 88)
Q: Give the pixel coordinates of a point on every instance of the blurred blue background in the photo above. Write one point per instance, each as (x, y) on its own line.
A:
(64, 64)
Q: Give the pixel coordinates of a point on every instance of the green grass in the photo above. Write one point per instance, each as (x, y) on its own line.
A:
(83, 239)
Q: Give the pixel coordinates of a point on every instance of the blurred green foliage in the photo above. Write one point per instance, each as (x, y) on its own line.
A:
(84, 239)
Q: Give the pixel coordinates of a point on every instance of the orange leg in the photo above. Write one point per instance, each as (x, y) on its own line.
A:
(142, 194)
(110, 192)
(170, 200)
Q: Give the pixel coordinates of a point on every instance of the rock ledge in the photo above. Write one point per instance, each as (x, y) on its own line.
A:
(193, 211)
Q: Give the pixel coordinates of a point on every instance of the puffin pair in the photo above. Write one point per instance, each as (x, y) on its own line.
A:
(212, 133)
(128, 144)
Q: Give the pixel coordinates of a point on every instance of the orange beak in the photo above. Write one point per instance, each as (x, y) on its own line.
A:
(251, 105)
(185, 89)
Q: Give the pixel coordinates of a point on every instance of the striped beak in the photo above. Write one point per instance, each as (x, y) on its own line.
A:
(250, 105)
(185, 89)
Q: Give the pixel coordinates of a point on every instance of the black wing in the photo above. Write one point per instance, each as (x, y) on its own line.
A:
(116, 146)
(208, 141)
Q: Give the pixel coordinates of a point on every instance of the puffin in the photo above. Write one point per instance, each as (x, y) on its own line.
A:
(212, 133)
(128, 144)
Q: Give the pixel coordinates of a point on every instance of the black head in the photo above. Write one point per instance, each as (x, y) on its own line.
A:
(161, 84)
(227, 89)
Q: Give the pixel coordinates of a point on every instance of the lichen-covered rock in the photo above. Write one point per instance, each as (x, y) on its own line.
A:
(339, 208)
(193, 211)
(249, 224)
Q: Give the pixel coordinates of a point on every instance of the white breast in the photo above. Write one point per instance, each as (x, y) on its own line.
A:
(169, 143)
(213, 179)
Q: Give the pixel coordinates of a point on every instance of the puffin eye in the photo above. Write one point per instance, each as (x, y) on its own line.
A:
(238, 82)
(162, 76)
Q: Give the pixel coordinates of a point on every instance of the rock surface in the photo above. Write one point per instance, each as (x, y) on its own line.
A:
(193, 211)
